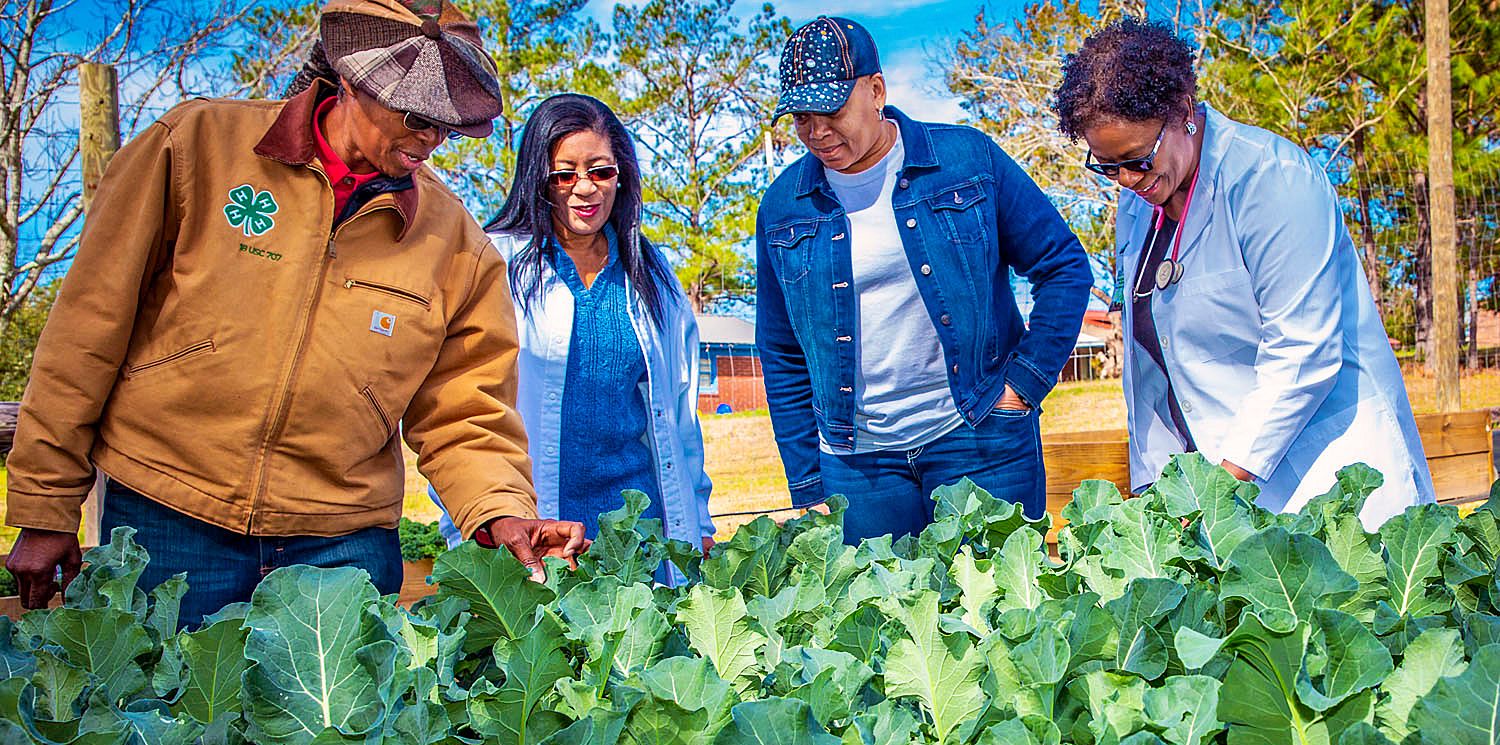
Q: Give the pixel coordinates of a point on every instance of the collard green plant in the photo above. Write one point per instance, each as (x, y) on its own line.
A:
(1186, 616)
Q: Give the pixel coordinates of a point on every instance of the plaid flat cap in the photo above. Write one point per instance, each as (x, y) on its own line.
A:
(418, 56)
(820, 64)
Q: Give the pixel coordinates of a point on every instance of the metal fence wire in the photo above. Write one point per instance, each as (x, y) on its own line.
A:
(1386, 211)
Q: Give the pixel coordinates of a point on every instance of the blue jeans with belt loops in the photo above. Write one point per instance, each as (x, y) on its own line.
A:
(890, 491)
(224, 567)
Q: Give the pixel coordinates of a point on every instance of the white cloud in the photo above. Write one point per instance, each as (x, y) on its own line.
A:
(914, 85)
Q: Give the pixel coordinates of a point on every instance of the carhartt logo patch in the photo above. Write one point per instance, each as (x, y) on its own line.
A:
(383, 323)
(250, 210)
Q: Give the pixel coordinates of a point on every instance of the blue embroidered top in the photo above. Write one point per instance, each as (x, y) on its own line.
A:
(604, 421)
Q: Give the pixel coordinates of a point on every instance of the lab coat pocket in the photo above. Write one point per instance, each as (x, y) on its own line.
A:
(1214, 316)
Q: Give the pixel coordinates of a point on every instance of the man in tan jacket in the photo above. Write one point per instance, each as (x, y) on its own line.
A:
(268, 296)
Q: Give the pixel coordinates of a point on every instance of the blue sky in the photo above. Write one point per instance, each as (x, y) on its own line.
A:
(907, 32)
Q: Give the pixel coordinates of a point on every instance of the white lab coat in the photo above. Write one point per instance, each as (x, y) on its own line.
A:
(1275, 348)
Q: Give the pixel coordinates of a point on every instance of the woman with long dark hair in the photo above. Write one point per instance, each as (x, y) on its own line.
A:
(609, 345)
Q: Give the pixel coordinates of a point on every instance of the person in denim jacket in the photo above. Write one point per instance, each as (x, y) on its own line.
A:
(895, 358)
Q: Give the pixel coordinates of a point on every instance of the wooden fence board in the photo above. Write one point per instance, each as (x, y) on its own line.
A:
(1460, 433)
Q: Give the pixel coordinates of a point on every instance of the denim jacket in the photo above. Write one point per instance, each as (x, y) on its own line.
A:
(969, 215)
(671, 398)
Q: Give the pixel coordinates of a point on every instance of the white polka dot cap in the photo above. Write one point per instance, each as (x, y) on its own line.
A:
(820, 64)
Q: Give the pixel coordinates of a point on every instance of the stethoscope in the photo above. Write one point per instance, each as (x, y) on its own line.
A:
(1169, 271)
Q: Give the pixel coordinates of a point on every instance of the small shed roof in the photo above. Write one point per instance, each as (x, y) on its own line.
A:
(725, 330)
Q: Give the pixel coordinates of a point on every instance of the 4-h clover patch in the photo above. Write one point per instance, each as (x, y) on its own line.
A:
(250, 210)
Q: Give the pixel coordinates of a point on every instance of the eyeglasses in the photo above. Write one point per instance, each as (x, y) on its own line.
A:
(597, 174)
(418, 123)
(1139, 165)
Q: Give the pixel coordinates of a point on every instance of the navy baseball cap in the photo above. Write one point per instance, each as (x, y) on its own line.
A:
(820, 64)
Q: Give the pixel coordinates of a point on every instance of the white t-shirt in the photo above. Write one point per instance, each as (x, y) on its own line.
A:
(902, 399)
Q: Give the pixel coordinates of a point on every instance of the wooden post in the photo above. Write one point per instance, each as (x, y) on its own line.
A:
(1440, 198)
(99, 122)
(98, 139)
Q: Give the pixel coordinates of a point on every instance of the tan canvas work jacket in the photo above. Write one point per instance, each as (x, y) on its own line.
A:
(221, 347)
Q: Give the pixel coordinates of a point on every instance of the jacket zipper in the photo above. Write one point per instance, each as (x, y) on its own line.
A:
(384, 289)
(278, 419)
(203, 346)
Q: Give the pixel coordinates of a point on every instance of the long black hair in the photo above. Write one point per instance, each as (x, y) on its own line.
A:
(528, 213)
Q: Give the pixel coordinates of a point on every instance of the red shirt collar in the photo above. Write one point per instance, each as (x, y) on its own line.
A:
(344, 181)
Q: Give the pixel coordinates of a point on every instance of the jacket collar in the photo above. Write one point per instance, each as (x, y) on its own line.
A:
(915, 137)
(1217, 139)
(291, 140)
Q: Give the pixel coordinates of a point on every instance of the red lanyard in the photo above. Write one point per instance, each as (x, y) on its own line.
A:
(1161, 215)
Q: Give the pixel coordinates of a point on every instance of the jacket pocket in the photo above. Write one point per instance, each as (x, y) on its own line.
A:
(388, 290)
(791, 249)
(203, 347)
(385, 419)
(958, 209)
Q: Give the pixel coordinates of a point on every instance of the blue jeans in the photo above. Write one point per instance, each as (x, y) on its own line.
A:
(224, 567)
(890, 491)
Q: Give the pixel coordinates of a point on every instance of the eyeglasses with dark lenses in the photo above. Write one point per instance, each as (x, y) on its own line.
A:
(418, 123)
(597, 174)
(1138, 165)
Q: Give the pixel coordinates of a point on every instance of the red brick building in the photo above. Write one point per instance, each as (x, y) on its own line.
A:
(729, 372)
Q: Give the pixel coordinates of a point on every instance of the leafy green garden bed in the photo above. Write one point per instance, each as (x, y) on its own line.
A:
(1184, 616)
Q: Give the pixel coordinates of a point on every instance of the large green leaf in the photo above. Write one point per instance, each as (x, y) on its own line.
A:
(109, 578)
(498, 588)
(315, 649)
(1185, 708)
(831, 682)
(1143, 542)
(1017, 570)
(718, 627)
(751, 560)
(621, 547)
(692, 684)
(1290, 572)
(1414, 545)
(942, 672)
(1141, 649)
(1358, 554)
(213, 660)
(1351, 660)
(14, 662)
(1259, 700)
(774, 721)
(532, 663)
(1437, 653)
(619, 624)
(105, 642)
(976, 582)
(1115, 704)
(1463, 709)
(1192, 487)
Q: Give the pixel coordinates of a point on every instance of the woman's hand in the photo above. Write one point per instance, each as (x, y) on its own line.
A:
(1012, 401)
(1236, 471)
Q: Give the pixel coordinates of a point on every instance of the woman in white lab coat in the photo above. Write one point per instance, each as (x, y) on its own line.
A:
(1251, 334)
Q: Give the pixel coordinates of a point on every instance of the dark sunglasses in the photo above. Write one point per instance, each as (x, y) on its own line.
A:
(1139, 165)
(597, 174)
(418, 123)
